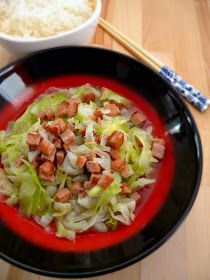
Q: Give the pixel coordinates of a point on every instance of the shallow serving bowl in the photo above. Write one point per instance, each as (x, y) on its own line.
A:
(163, 207)
(81, 35)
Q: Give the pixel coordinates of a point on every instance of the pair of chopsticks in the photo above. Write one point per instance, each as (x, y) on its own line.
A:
(186, 90)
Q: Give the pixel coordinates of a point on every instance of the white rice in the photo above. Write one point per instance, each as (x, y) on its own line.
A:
(42, 18)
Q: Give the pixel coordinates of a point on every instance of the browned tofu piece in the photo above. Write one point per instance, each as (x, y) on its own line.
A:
(46, 147)
(33, 139)
(47, 168)
(68, 107)
(68, 136)
(53, 129)
(49, 158)
(73, 108)
(159, 141)
(98, 113)
(138, 119)
(81, 160)
(63, 109)
(61, 124)
(76, 187)
(93, 167)
(125, 188)
(37, 162)
(63, 195)
(59, 157)
(50, 115)
(114, 154)
(114, 110)
(94, 178)
(118, 165)
(158, 151)
(89, 96)
(116, 140)
(105, 180)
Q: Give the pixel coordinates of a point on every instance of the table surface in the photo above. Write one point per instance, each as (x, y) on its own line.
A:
(178, 33)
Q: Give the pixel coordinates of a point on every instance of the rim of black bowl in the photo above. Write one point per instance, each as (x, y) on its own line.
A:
(147, 252)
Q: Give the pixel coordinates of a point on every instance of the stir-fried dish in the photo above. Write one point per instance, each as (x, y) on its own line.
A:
(77, 159)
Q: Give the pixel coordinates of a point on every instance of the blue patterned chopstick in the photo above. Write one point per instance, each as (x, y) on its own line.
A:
(195, 97)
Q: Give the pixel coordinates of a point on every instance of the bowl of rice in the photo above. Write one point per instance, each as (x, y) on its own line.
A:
(31, 25)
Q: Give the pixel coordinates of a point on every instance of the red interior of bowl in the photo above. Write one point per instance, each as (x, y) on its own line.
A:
(153, 197)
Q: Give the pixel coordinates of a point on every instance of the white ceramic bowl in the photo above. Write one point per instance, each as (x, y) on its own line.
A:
(79, 36)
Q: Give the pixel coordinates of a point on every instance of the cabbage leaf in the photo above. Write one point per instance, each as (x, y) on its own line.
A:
(108, 94)
(33, 198)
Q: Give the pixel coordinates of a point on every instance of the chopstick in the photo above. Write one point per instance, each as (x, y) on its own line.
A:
(127, 42)
(195, 97)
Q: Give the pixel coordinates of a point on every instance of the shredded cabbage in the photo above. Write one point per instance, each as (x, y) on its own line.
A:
(100, 227)
(95, 191)
(44, 221)
(124, 210)
(104, 161)
(33, 198)
(89, 134)
(141, 182)
(145, 137)
(85, 111)
(108, 94)
(80, 150)
(32, 155)
(87, 202)
(3, 145)
(63, 232)
(73, 197)
(112, 223)
(6, 186)
(13, 199)
(51, 190)
(110, 125)
(79, 92)
(69, 165)
(61, 209)
(25, 122)
(107, 195)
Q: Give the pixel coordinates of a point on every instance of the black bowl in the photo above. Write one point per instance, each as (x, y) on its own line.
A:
(182, 168)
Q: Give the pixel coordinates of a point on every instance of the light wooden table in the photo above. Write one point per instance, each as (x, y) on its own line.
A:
(177, 32)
